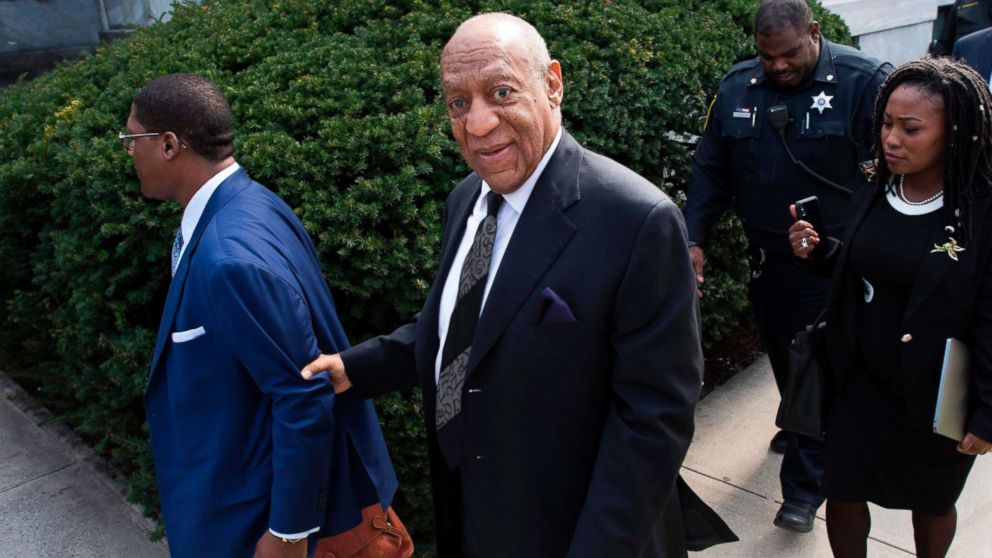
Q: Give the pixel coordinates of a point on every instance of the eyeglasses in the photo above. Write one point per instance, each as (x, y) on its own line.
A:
(127, 140)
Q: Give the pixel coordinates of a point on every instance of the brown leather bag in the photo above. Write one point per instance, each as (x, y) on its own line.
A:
(377, 536)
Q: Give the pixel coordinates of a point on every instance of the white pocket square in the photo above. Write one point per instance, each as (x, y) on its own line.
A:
(188, 335)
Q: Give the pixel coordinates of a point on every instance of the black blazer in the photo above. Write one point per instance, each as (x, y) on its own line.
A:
(949, 299)
(575, 432)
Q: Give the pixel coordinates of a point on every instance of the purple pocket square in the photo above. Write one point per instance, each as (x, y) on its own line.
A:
(554, 309)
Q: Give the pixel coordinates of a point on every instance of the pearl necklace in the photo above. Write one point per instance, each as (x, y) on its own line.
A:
(902, 194)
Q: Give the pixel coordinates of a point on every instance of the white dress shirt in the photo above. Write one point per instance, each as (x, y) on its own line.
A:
(506, 221)
(194, 209)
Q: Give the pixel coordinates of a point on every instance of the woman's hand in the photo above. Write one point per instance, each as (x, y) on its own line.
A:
(802, 237)
(973, 445)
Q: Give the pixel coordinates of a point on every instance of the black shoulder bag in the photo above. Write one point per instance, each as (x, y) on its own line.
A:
(804, 401)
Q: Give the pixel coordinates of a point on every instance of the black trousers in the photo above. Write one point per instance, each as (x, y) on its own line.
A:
(458, 539)
(787, 298)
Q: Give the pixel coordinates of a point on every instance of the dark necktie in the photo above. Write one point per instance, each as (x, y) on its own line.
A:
(461, 330)
(177, 247)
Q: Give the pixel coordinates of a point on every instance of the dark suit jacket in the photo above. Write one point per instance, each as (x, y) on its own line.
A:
(574, 431)
(241, 442)
(949, 299)
(976, 50)
(962, 19)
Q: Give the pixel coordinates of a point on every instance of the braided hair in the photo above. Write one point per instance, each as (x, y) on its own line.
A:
(967, 129)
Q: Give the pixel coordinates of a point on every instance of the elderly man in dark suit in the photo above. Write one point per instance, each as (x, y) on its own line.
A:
(558, 350)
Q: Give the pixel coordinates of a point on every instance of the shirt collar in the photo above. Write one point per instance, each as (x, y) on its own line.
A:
(517, 199)
(194, 209)
(824, 70)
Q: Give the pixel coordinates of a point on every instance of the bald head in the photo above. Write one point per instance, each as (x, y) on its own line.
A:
(504, 94)
(507, 32)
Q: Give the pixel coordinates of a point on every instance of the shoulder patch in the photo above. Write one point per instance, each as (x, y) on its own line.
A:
(741, 67)
(854, 58)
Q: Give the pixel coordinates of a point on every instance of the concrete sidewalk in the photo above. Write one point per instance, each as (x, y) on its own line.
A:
(729, 465)
(57, 498)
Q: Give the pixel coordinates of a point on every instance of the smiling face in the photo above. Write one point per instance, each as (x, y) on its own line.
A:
(789, 56)
(504, 112)
(913, 133)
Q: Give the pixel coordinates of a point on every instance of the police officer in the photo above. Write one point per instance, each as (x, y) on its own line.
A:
(964, 17)
(804, 101)
(976, 50)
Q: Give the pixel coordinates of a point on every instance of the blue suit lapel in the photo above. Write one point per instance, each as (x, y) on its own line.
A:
(541, 234)
(223, 194)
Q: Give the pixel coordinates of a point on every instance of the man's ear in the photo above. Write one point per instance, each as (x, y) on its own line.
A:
(171, 146)
(814, 32)
(556, 87)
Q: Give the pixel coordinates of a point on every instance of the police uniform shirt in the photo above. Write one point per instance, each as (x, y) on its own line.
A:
(741, 160)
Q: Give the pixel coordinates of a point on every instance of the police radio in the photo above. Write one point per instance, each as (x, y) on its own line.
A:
(778, 117)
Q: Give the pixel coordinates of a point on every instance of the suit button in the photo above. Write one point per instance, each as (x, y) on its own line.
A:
(481, 457)
(906, 338)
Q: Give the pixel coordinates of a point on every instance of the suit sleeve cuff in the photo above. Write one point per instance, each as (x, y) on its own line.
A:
(980, 423)
(292, 536)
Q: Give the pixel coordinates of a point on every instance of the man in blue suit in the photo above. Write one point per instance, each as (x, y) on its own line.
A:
(250, 458)
(976, 50)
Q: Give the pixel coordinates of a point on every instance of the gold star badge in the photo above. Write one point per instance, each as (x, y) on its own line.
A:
(950, 247)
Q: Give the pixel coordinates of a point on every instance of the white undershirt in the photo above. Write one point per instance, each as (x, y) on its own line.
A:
(506, 221)
(901, 206)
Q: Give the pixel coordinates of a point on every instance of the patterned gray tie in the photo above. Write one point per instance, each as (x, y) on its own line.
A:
(461, 330)
(177, 248)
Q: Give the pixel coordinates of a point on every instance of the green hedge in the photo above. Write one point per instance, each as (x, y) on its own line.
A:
(337, 108)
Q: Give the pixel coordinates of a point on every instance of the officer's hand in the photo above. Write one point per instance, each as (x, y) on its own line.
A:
(334, 366)
(802, 237)
(698, 261)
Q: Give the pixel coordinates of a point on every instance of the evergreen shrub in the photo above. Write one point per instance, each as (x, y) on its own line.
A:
(337, 108)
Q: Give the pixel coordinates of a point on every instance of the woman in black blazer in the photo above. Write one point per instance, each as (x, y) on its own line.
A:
(912, 271)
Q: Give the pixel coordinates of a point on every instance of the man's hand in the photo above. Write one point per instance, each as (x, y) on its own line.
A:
(334, 366)
(270, 546)
(973, 445)
(698, 261)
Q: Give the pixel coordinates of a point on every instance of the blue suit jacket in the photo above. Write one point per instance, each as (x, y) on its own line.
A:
(241, 442)
(976, 50)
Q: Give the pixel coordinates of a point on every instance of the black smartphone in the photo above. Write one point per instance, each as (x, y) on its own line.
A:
(808, 209)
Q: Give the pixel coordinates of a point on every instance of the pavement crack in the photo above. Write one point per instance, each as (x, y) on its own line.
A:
(719, 480)
(29, 481)
(892, 546)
